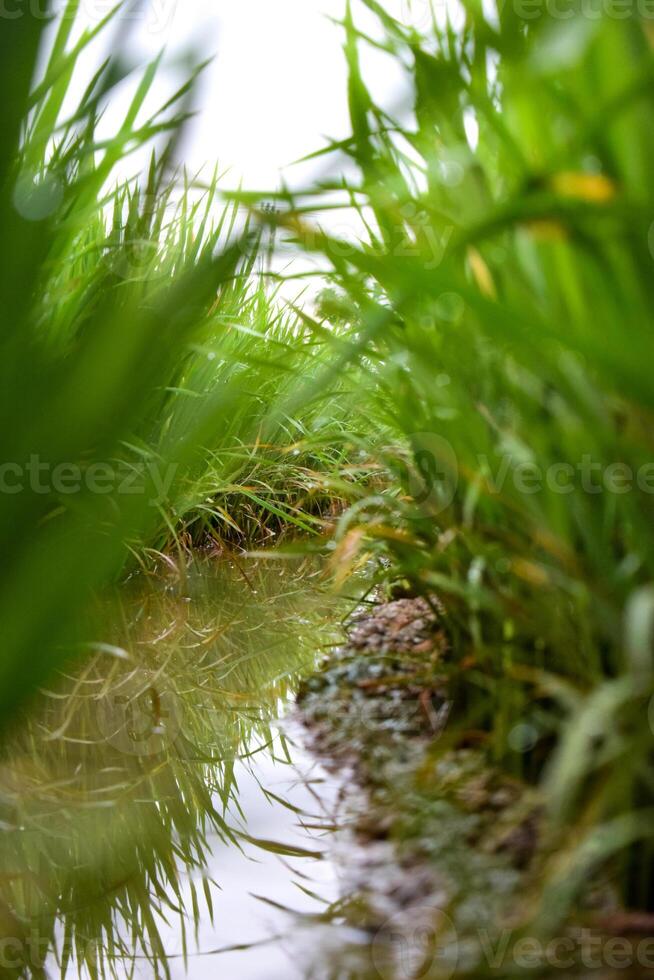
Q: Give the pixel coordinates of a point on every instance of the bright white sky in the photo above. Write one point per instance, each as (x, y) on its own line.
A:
(276, 89)
(278, 84)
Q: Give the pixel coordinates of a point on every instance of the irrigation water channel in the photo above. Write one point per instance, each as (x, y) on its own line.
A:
(159, 816)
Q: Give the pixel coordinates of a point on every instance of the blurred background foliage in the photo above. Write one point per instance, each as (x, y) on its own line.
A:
(139, 342)
(487, 342)
(503, 301)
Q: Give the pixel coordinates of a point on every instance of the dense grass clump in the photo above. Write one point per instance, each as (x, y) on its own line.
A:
(147, 372)
(475, 382)
(502, 309)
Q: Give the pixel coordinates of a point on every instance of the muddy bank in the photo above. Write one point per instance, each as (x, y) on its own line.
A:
(444, 859)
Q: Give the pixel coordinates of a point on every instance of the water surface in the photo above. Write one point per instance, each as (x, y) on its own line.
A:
(154, 812)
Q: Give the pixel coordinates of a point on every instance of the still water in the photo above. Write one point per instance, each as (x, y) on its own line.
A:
(159, 817)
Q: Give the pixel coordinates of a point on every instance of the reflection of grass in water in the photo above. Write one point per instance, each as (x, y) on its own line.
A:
(127, 767)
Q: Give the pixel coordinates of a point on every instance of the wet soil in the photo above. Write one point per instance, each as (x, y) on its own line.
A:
(440, 843)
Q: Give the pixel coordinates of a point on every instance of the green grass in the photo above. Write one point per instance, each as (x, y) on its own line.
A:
(138, 340)
(493, 328)
(502, 307)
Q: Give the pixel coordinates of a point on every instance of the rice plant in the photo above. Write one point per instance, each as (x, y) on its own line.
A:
(475, 381)
(501, 305)
(145, 367)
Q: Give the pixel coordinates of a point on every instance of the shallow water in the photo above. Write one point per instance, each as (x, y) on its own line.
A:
(273, 942)
(155, 813)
